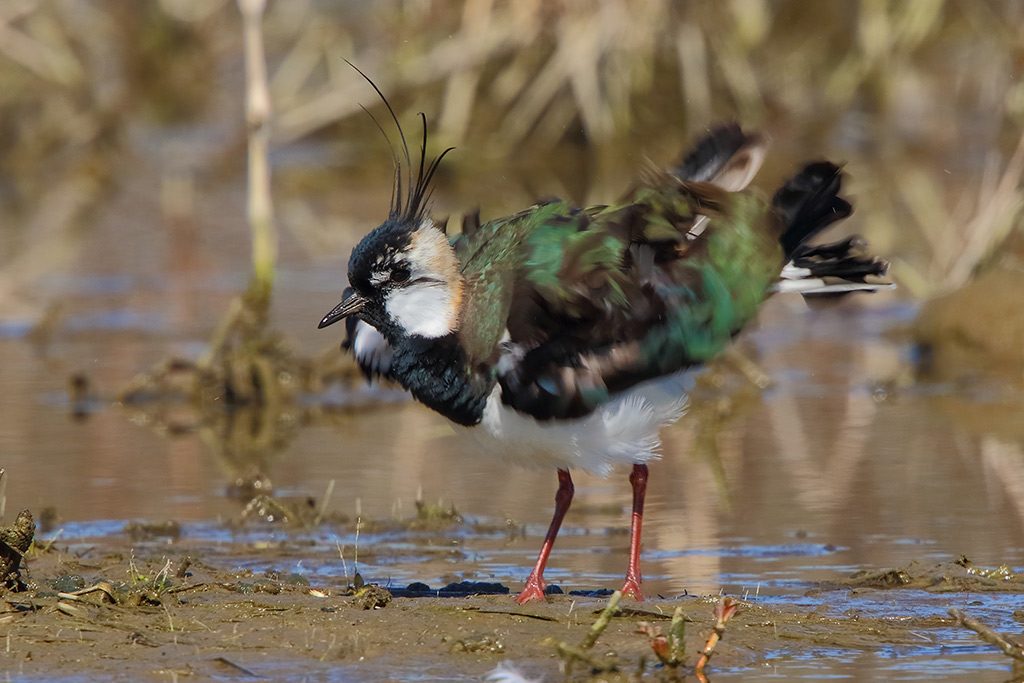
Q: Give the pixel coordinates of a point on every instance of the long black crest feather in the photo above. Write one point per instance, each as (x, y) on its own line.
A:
(413, 205)
(396, 185)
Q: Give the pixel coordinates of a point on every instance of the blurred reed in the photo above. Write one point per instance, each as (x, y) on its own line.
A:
(924, 100)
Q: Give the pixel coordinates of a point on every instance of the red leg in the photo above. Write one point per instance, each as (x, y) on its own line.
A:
(638, 478)
(534, 589)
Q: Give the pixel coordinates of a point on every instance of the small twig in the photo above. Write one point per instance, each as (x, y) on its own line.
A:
(101, 586)
(51, 541)
(160, 580)
(170, 622)
(571, 653)
(341, 556)
(667, 648)
(133, 571)
(988, 635)
(676, 631)
(724, 611)
(334, 639)
(355, 561)
(234, 667)
(513, 613)
(602, 622)
(323, 506)
(71, 610)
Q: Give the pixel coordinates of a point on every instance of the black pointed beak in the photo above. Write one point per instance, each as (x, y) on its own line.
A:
(352, 304)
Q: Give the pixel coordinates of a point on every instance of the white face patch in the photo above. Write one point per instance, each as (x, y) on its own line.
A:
(424, 309)
(428, 304)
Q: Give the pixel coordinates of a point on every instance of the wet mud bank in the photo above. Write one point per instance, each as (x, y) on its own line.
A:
(132, 606)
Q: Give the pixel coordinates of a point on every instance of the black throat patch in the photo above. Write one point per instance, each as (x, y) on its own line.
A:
(436, 373)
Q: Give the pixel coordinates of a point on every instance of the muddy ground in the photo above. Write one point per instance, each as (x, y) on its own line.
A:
(152, 604)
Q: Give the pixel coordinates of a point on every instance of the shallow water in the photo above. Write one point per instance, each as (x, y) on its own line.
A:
(767, 497)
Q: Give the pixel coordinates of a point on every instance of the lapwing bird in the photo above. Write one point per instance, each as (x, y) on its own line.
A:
(567, 336)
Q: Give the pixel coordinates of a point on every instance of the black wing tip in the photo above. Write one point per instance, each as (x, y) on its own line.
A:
(848, 259)
(809, 202)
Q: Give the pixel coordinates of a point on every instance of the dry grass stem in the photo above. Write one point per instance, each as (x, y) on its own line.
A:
(998, 204)
(990, 636)
(258, 113)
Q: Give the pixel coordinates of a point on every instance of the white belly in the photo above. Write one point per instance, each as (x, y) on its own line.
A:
(623, 431)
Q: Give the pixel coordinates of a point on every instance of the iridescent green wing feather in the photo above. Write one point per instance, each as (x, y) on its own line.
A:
(615, 295)
(570, 306)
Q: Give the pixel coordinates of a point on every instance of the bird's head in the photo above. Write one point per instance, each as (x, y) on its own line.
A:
(405, 281)
(404, 275)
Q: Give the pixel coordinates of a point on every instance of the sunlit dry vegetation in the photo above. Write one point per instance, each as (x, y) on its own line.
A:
(924, 100)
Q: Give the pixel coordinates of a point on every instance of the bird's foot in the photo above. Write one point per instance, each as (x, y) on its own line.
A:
(632, 588)
(534, 590)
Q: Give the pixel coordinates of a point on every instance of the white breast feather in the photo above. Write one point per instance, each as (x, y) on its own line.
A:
(371, 349)
(623, 431)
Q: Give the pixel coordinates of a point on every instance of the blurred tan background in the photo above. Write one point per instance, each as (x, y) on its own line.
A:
(108, 108)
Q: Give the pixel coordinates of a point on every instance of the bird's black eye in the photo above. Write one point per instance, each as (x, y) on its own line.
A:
(399, 274)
